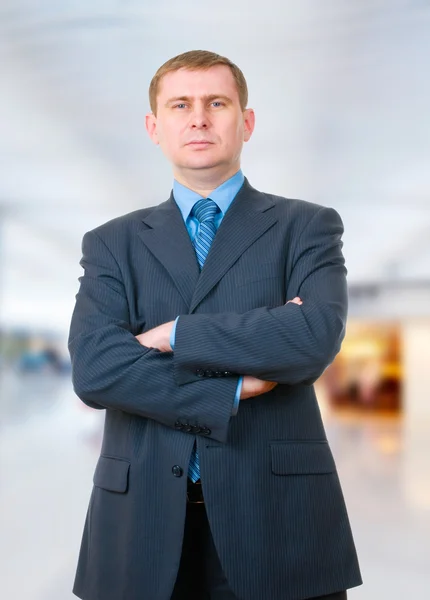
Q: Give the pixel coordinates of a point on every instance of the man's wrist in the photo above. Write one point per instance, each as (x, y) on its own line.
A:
(173, 334)
(237, 397)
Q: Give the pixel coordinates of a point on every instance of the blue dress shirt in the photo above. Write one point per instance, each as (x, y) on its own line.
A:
(223, 196)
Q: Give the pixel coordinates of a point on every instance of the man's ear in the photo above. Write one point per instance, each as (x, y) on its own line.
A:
(249, 123)
(151, 127)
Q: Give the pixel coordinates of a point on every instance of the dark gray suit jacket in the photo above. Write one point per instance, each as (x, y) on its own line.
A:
(272, 493)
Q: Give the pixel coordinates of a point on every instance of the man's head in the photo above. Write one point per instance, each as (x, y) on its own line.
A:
(199, 116)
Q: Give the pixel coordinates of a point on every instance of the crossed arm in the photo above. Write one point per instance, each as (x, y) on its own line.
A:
(159, 338)
(289, 344)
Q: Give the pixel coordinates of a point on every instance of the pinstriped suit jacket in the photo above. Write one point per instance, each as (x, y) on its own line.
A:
(272, 493)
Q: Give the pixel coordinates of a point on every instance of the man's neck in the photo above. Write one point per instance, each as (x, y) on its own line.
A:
(204, 182)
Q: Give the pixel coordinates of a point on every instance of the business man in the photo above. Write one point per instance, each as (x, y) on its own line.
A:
(200, 325)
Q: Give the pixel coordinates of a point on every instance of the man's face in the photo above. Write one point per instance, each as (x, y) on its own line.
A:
(199, 123)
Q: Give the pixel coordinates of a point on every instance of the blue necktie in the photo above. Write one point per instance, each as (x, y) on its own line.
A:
(204, 211)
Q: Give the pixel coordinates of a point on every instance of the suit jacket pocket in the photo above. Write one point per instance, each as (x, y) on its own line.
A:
(301, 458)
(112, 474)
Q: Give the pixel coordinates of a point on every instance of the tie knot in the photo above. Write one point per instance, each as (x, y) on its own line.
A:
(205, 210)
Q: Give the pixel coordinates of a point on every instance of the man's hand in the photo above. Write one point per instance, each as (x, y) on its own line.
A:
(158, 338)
(295, 300)
(252, 386)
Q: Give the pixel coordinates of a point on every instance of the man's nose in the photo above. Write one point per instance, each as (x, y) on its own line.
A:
(199, 118)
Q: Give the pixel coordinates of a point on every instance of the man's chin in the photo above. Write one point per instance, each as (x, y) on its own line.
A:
(197, 165)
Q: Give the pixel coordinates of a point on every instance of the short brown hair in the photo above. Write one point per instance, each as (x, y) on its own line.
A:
(195, 60)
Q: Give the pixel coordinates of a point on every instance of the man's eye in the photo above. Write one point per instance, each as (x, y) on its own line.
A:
(181, 105)
(217, 103)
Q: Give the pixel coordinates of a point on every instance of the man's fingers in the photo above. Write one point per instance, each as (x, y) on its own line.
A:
(295, 300)
(252, 387)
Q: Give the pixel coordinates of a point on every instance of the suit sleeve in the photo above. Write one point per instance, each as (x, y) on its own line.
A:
(288, 344)
(239, 383)
(111, 369)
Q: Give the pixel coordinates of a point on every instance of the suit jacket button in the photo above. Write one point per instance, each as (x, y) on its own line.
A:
(177, 471)
(179, 425)
(206, 431)
(218, 374)
(227, 373)
(209, 373)
(195, 429)
(187, 427)
(200, 373)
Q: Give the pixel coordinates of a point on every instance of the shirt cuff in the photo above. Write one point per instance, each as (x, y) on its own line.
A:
(237, 397)
(173, 334)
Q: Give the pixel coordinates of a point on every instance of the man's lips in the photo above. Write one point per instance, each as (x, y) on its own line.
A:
(199, 143)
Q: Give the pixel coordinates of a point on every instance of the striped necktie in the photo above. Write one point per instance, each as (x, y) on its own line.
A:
(204, 211)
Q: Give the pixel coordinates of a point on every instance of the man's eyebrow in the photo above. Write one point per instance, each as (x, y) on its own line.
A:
(207, 98)
(177, 99)
(218, 97)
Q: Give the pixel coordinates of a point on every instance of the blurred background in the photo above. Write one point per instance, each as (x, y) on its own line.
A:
(342, 104)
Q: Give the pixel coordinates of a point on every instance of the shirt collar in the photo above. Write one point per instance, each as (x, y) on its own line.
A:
(223, 195)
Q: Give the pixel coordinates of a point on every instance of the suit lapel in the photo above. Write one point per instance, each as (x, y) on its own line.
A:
(247, 219)
(168, 240)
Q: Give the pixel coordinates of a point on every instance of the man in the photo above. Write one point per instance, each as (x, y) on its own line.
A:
(200, 325)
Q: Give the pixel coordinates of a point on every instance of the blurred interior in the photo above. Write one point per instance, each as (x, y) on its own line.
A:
(341, 99)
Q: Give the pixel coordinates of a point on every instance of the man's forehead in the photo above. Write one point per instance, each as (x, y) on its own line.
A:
(199, 82)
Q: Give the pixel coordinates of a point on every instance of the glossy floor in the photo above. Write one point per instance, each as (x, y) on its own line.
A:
(49, 445)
